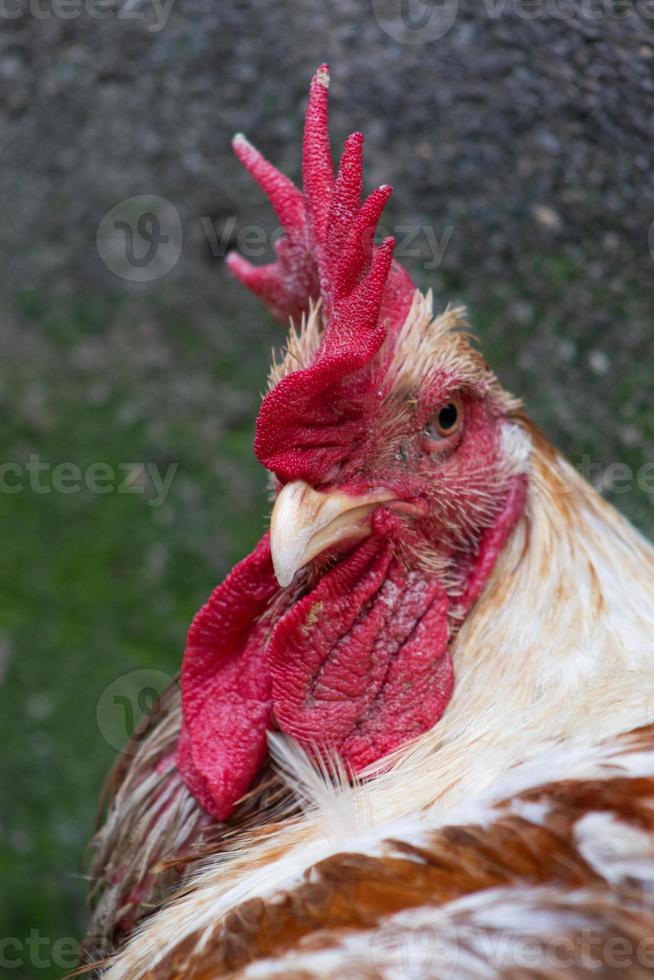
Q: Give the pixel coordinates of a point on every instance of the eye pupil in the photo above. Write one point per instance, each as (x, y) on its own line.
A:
(447, 417)
(443, 424)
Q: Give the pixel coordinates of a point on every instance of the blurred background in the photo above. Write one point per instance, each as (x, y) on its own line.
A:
(518, 137)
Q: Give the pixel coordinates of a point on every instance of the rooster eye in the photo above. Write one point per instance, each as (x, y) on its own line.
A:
(445, 422)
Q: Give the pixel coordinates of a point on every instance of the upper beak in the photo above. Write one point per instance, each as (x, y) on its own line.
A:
(306, 522)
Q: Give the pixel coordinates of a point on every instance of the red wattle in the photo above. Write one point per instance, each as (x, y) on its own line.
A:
(226, 688)
(359, 666)
(376, 670)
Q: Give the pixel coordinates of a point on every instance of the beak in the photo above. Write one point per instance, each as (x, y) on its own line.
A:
(305, 523)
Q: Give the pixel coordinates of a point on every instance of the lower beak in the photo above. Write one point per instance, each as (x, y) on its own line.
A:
(306, 522)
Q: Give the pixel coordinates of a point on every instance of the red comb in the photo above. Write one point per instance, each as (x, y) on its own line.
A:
(311, 419)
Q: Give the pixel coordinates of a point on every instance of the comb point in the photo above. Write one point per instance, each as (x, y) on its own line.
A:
(322, 76)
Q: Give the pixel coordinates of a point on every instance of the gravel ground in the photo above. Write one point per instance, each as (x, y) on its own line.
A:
(519, 142)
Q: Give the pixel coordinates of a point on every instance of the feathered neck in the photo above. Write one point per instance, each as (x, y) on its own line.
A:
(557, 650)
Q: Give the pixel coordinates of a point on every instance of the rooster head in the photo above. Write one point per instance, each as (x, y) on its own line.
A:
(398, 468)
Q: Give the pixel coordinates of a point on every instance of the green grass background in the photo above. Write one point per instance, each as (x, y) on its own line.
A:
(97, 586)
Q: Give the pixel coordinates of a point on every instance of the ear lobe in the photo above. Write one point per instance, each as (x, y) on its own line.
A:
(516, 447)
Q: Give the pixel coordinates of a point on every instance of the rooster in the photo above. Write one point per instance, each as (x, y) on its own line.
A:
(413, 731)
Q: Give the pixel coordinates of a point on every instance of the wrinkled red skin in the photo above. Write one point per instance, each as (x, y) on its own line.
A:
(376, 671)
(226, 687)
(358, 666)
